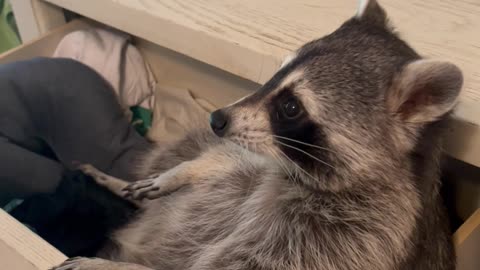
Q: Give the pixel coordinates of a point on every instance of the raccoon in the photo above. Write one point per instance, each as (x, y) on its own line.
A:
(332, 164)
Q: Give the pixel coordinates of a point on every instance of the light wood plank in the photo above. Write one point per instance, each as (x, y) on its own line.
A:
(35, 18)
(21, 249)
(467, 243)
(43, 46)
(273, 28)
(47, 16)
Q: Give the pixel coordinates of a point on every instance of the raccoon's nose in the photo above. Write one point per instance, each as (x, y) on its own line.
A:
(219, 122)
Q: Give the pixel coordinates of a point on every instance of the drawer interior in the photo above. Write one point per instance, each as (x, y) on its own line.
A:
(219, 87)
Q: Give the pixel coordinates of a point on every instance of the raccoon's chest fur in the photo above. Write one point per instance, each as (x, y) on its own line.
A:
(261, 215)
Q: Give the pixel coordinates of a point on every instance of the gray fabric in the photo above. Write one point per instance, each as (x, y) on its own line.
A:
(54, 112)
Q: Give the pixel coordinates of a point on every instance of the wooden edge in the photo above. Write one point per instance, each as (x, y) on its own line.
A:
(47, 16)
(35, 18)
(467, 228)
(34, 250)
(30, 49)
(463, 141)
(35, 40)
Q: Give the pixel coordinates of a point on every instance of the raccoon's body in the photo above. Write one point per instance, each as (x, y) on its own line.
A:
(251, 215)
(332, 164)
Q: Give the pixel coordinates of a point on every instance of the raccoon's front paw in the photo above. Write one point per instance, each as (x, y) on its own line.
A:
(81, 263)
(153, 188)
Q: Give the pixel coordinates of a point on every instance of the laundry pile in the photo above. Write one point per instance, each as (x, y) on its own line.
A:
(112, 54)
(94, 101)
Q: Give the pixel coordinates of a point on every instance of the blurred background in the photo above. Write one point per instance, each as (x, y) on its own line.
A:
(9, 36)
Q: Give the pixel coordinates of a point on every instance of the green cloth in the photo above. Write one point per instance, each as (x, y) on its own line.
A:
(141, 119)
(9, 37)
(12, 204)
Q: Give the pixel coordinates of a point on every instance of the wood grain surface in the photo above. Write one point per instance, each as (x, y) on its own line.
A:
(467, 243)
(251, 37)
(21, 249)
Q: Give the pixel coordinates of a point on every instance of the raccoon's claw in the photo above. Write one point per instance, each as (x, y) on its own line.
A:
(139, 189)
(151, 188)
(82, 263)
(138, 185)
(76, 263)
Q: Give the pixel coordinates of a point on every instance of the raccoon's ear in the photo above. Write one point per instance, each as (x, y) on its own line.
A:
(424, 91)
(371, 11)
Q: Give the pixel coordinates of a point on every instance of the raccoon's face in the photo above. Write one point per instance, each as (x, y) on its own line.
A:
(344, 108)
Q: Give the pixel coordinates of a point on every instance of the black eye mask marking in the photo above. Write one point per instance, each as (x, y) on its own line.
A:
(300, 128)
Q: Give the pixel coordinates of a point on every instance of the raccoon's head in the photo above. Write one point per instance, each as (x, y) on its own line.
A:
(346, 107)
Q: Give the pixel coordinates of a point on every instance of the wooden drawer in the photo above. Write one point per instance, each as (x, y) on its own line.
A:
(467, 243)
(170, 69)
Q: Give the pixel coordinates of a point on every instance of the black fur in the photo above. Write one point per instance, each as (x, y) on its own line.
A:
(302, 129)
(78, 217)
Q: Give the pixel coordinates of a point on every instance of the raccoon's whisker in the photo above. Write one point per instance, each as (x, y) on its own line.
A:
(304, 143)
(250, 185)
(306, 153)
(247, 146)
(244, 148)
(292, 174)
(282, 165)
(297, 166)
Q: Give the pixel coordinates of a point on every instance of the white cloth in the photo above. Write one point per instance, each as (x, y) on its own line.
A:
(110, 53)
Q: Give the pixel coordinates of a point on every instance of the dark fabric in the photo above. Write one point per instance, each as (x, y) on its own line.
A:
(23, 172)
(60, 109)
(55, 113)
(77, 218)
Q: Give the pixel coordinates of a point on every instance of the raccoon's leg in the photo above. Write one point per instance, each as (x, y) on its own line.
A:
(115, 185)
(211, 164)
(164, 158)
(164, 184)
(81, 263)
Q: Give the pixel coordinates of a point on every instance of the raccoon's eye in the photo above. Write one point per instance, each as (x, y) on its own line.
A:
(291, 108)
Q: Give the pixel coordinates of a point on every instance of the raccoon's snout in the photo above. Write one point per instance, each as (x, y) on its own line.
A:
(219, 122)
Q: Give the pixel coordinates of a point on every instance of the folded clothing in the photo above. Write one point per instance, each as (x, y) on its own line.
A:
(176, 112)
(55, 113)
(111, 53)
